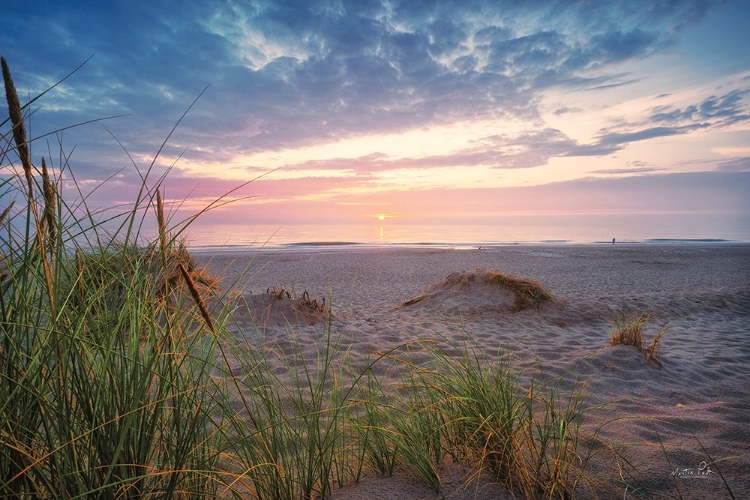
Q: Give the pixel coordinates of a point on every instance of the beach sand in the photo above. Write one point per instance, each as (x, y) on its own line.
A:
(662, 418)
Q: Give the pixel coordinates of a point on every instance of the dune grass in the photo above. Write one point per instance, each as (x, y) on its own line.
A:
(105, 366)
(529, 294)
(627, 329)
(322, 424)
(526, 293)
(121, 378)
(473, 409)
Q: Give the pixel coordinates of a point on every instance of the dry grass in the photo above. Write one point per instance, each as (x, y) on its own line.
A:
(164, 267)
(651, 352)
(301, 302)
(529, 293)
(15, 113)
(477, 411)
(627, 329)
(285, 307)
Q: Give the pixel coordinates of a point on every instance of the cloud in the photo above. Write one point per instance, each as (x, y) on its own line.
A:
(690, 193)
(636, 163)
(722, 111)
(619, 45)
(564, 110)
(286, 75)
(298, 73)
(615, 85)
(649, 133)
(592, 150)
(713, 112)
(619, 171)
(736, 165)
(525, 150)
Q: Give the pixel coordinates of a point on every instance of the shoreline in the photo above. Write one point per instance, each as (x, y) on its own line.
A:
(334, 245)
(696, 401)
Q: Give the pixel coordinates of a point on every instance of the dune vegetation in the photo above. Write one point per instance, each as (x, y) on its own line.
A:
(627, 329)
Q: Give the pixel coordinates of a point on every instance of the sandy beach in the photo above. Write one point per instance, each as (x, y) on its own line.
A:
(676, 423)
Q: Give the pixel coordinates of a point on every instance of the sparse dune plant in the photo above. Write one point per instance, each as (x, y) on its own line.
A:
(627, 329)
(525, 293)
(528, 293)
(527, 438)
(288, 434)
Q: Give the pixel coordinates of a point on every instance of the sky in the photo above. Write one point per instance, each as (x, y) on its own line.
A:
(415, 112)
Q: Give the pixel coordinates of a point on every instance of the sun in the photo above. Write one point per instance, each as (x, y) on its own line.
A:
(381, 217)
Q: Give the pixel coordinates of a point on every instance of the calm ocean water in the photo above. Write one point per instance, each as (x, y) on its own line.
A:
(516, 230)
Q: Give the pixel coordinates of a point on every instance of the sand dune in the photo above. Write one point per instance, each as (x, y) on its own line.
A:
(695, 405)
(280, 308)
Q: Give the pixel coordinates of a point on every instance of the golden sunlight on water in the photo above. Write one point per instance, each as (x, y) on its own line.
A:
(507, 230)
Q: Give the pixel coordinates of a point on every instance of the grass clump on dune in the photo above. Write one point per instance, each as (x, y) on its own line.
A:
(529, 294)
(516, 294)
(466, 407)
(627, 329)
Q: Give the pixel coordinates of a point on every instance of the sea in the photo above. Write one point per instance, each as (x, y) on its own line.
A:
(513, 231)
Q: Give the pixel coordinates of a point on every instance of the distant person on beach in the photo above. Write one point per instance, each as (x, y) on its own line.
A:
(613, 241)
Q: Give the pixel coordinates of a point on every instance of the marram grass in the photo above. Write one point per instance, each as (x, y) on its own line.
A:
(627, 329)
(105, 379)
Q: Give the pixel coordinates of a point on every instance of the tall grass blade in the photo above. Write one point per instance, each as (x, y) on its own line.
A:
(19, 129)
